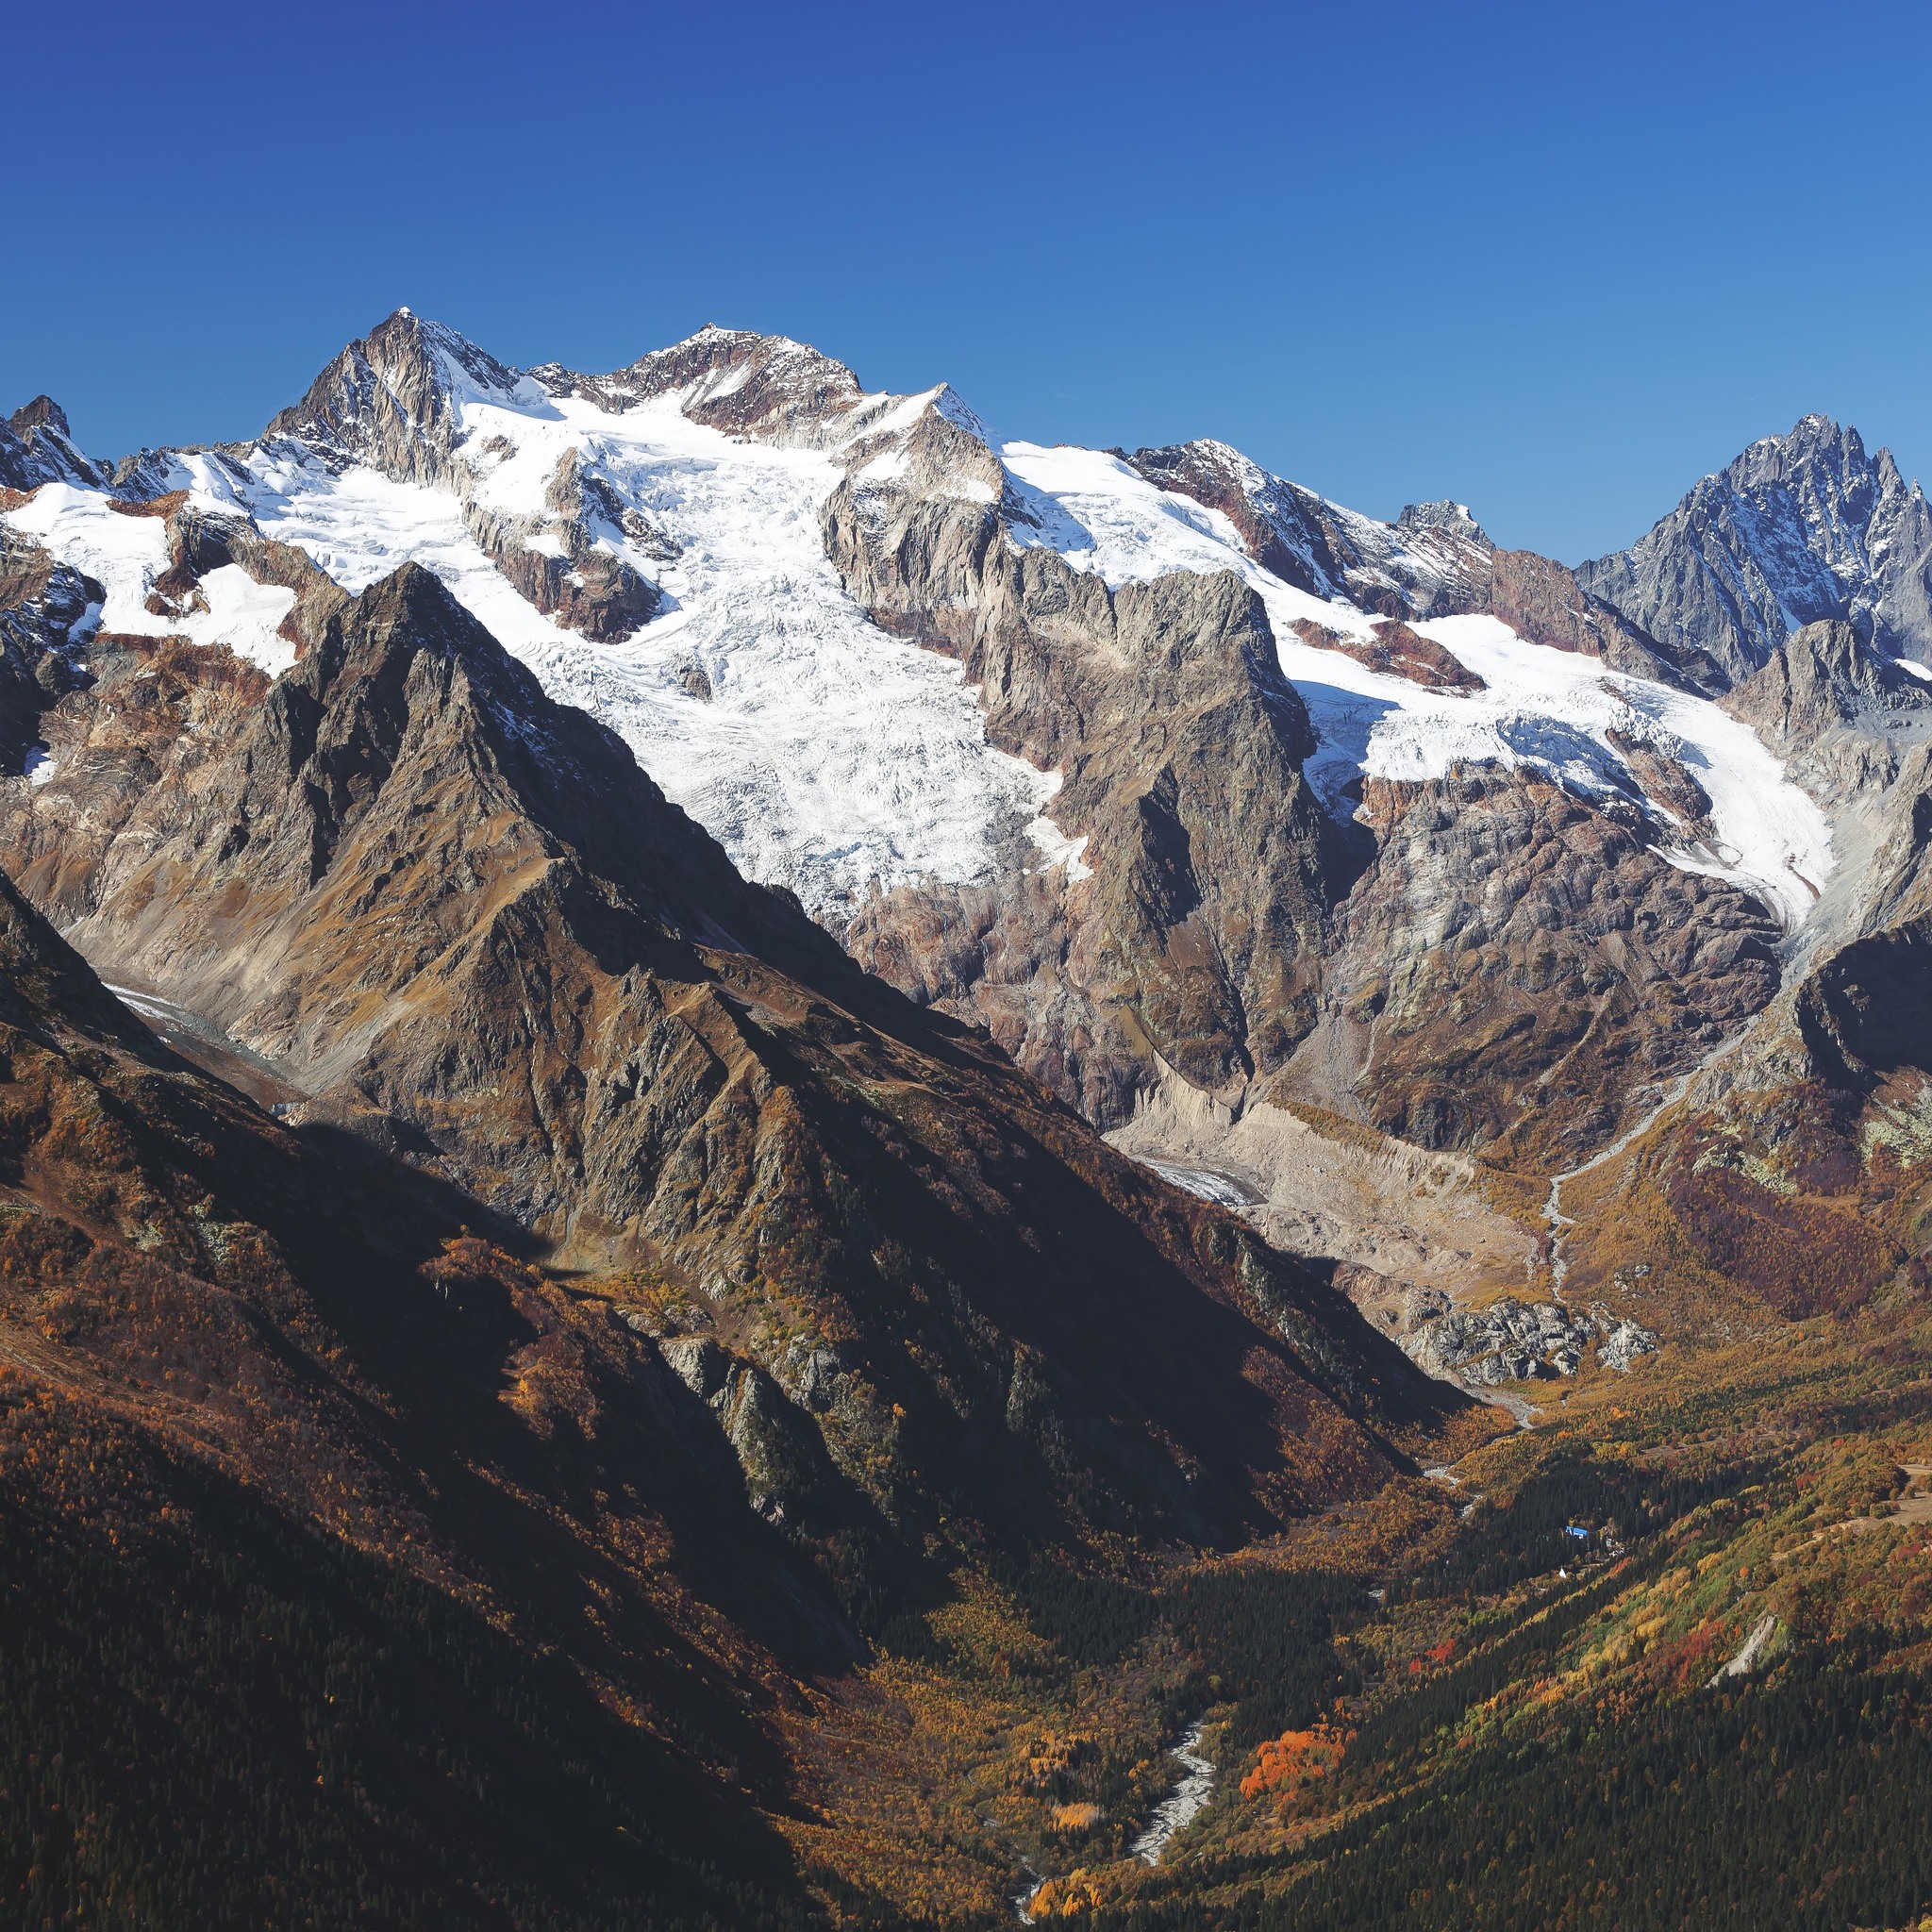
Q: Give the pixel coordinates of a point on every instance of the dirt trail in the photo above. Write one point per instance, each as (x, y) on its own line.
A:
(1909, 1509)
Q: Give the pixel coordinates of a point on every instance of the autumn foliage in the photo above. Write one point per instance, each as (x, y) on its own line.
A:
(1287, 1768)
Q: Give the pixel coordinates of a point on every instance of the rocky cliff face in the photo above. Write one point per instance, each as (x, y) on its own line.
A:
(1519, 971)
(1802, 528)
(224, 1344)
(393, 399)
(1206, 868)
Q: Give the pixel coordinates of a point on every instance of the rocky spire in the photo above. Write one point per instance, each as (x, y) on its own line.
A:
(1801, 528)
(37, 446)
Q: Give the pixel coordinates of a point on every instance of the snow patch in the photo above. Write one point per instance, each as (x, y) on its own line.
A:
(245, 616)
(124, 554)
(127, 553)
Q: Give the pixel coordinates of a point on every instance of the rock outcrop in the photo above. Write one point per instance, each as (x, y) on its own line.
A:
(1435, 560)
(1184, 904)
(1823, 678)
(1396, 651)
(1540, 599)
(1510, 1341)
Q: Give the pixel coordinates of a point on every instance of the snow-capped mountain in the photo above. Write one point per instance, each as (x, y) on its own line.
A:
(648, 543)
(1158, 765)
(1801, 528)
(37, 446)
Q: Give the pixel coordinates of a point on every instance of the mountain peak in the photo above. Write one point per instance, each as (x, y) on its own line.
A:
(1801, 528)
(391, 396)
(37, 446)
(43, 413)
(770, 388)
(1450, 519)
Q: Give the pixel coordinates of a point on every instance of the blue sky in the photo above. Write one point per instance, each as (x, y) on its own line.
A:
(1557, 261)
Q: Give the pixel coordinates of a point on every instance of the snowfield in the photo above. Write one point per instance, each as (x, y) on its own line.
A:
(829, 757)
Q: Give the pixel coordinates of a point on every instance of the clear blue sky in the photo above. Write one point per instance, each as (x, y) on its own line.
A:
(1555, 259)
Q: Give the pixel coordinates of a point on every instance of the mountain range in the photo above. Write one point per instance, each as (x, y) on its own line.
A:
(708, 1012)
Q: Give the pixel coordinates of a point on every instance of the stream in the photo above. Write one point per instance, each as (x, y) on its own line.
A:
(1178, 1809)
(1172, 1813)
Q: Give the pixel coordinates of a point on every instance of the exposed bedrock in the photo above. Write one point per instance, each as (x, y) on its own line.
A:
(1517, 966)
(1396, 651)
(37, 446)
(1198, 934)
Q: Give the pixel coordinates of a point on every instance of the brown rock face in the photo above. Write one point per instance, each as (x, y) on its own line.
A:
(1180, 745)
(1543, 601)
(1798, 1169)
(1295, 542)
(1432, 562)
(1514, 964)
(462, 922)
(744, 384)
(223, 1340)
(198, 543)
(567, 564)
(1525, 968)
(1397, 651)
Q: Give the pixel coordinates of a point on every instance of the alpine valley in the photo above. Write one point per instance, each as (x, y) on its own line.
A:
(765, 1162)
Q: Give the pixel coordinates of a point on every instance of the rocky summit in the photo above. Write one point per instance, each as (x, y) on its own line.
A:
(748, 1139)
(1801, 528)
